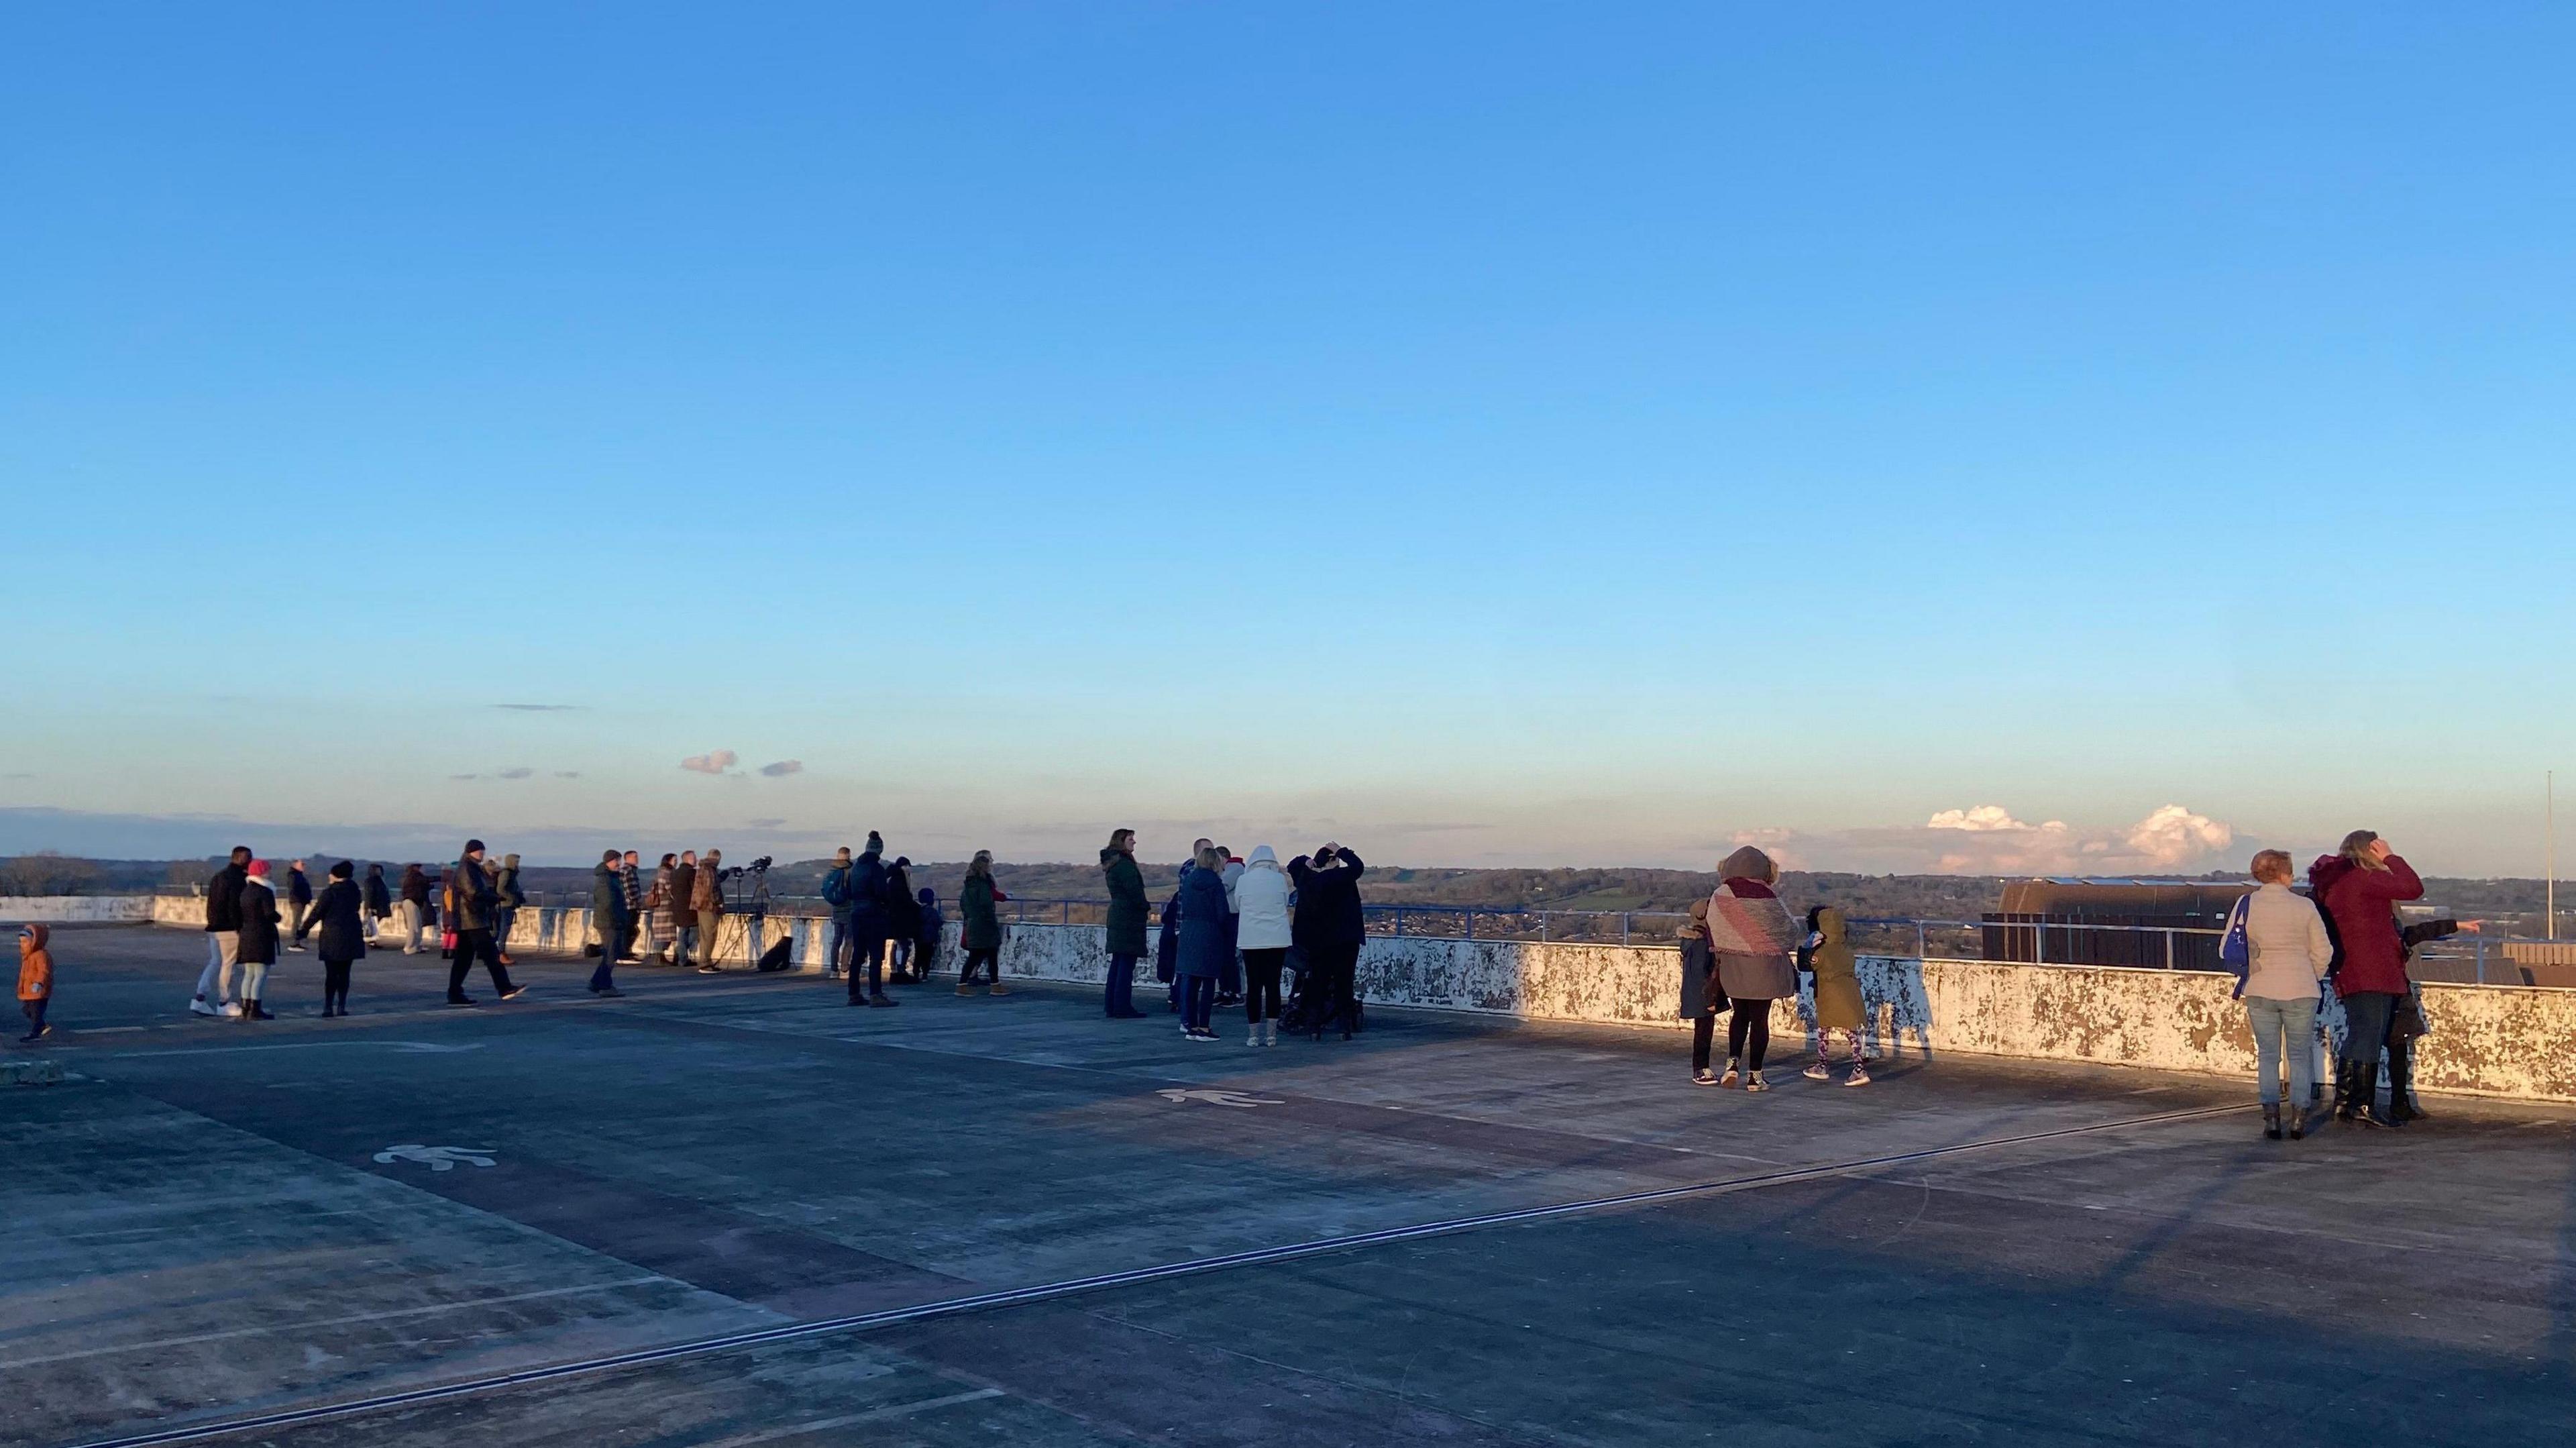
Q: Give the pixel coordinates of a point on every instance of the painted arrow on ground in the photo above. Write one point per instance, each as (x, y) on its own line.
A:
(1214, 1097)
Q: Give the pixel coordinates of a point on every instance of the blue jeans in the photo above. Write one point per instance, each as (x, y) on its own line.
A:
(687, 938)
(2279, 1027)
(1120, 998)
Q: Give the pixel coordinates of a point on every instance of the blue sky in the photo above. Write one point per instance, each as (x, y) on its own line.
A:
(1493, 433)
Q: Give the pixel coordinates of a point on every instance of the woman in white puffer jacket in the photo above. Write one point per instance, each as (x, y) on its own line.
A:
(1261, 908)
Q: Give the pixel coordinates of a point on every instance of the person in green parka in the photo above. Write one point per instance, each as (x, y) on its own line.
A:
(1128, 910)
(979, 928)
(1839, 1011)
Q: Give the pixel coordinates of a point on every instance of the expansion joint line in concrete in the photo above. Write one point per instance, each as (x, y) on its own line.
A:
(1045, 1292)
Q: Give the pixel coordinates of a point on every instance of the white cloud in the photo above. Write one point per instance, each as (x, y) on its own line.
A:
(1989, 840)
(783, 767)
(714, 761)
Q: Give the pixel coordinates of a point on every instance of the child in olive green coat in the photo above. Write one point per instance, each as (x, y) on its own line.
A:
(1839, 1011)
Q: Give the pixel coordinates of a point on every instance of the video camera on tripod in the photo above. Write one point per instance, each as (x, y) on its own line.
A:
(751, 898)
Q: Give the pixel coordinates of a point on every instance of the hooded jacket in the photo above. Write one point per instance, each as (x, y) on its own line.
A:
(223, 898)
(979, 925)
(2360, 908)
(1207, 927)
(903, 913)
(505, 886)
(1328, 901)
(1127, 905)
(1752, 932)
(470, 886)
(415, 887)
(258, 922)
(35, 963)
(1167, 943)
(1261, 904)
(1838, 1002)
(866, 885)
(337, 931)
(379, 900)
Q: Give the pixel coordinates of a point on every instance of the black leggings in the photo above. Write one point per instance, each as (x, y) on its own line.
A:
(1749, 1029)
(335, 985)
(1261, 984)
(987, 958)
(1703, 1029)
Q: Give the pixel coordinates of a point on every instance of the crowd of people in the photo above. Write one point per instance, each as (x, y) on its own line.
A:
(1236, 930)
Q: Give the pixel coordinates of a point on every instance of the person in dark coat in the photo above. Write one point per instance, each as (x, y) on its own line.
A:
(223, 938)
(1330, 928)
(339, 935)
(903, 921)
(379, 901)
(678, 899)
(1207, 942)
(868, 925)
(471, 888)
(608, 913)
(1702, 999)
(931, 919)
(414, 902)
(2357, 889)
(836, 893)
(1126, 933)
(258, 941)
(1167, 947)
(979, 921)
(299, 905)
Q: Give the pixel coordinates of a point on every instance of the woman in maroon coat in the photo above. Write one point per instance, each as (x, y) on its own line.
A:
(2358, 888)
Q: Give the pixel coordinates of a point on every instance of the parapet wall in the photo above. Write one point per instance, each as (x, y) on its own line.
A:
(2508, 1041)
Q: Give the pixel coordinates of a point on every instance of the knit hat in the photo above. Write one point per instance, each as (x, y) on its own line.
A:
(472, 846)
(259, 869)
(876, 842)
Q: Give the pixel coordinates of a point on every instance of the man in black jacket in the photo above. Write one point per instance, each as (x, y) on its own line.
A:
(223, 937)
(1330, 927)
(299, 903)
(476, 901)
(609, 915)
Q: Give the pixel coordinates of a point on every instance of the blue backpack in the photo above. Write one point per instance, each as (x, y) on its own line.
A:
(836, 887)
(2235, 951)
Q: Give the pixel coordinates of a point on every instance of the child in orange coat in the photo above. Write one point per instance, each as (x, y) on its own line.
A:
(35, 979)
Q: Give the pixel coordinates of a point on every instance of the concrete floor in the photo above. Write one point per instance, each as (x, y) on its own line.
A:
(198, 1230)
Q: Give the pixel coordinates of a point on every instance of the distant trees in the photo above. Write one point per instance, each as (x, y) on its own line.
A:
(49, 873)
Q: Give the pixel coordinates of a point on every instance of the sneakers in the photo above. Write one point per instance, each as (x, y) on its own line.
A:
(514, 992)
(1730, 1078)
(1817, 1072)
(1270, 1033)
(198, 1007)
(463, 1001)
(1252, 1035)
(882, 999)
(230, 1012)
(38, 1034)
(1858, 1077)
(1208, 1037)
(1755, 1082)
(710, 970)
(1703, 1077)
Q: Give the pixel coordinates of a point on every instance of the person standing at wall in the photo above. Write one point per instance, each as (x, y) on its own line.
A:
(678, 902)
(1207, 935)
(1755, 938)
(223, 938)
(929, 921)
(378, 903)
(836, 894)
(630, 888)
(1167, 945)
(979, 930)
(1229, 982)
(1126, 933)
(257, 942)
(868, 925)
(1263, 933)
(660, 931)
(1330, 927)
(299, 902)
(508, 897)
(2358, 888)
(1839, 1011)
(706, 898)
(339, 936)
(412, 911)
(608, 916)
(471, 887)
(903, 922)
(1702, 1000)
(2287, 953)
